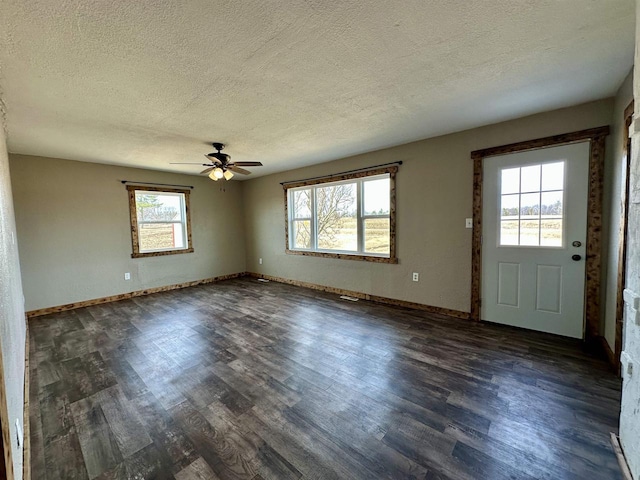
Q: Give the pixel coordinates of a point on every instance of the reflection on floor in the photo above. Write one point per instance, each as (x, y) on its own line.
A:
(247, 380)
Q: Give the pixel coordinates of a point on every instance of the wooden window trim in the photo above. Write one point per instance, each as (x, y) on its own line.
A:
(392, 258)
(596, 138)
(135, 245)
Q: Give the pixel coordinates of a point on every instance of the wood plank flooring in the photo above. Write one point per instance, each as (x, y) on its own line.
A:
(251, 380)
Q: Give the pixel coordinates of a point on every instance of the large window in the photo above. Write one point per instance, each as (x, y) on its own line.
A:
(351, 218)
(160, 223)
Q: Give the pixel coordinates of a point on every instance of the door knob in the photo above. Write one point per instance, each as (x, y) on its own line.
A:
(576, 258)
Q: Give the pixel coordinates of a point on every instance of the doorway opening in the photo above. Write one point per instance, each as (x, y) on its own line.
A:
(596, 138)
(533, 240)
(622, 243)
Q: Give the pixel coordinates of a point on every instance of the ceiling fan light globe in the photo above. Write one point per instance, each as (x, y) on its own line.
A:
(212, 176)
(228, 175)
(218, 173)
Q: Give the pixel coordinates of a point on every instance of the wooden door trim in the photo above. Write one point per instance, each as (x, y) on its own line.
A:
(596, 138)
(622, 236)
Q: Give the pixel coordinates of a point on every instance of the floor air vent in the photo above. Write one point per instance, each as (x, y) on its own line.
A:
(347, 297)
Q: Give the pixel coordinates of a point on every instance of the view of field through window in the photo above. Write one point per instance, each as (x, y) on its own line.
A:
(336, 216)
(531, 205)
(160, 221)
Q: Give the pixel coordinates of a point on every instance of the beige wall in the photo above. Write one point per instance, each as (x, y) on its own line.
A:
(12, 323)
(74, 231)
(615, 167)
(434, 190)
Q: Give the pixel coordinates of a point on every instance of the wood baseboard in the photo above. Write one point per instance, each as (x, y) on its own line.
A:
(622, 461)
(26, 439)
(365, 296)
(125, 296)
(314, 286)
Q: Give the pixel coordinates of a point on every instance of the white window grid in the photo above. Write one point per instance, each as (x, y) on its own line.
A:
(361, 216)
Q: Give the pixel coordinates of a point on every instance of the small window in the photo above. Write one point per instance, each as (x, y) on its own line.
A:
(352, 218)
(531, 205)
(160, 223)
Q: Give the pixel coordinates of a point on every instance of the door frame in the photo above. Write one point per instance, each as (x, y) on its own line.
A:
(596, 138)
(623, 235)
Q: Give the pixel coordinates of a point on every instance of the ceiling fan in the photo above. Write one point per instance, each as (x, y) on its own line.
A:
(221, 164)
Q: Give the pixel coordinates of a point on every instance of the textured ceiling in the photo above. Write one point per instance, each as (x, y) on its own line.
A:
(148, 82)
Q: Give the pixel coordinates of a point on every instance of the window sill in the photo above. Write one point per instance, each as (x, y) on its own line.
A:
(162, 253)
(343, 256)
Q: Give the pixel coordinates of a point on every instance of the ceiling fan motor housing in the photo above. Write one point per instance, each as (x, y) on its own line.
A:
(222, 157)
(221, 165)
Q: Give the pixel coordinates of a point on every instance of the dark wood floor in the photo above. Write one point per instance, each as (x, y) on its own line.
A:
(249, 380)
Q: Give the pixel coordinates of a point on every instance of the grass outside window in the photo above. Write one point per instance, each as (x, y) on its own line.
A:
(353, 218)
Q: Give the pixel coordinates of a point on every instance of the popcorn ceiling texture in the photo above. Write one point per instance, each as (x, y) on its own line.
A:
(292, 83)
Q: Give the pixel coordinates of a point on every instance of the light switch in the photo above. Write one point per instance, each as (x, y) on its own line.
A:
(468, 222)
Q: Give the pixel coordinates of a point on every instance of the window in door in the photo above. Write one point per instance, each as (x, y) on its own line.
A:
(531, 205)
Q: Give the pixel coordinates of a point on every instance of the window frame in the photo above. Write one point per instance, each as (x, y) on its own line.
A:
(359, 178)
(133, 216)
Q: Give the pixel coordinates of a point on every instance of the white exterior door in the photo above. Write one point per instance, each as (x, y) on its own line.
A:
(534, 239)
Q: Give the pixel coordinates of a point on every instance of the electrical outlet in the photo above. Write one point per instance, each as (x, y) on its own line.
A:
(468, 222)
(260, 261)
(127, 276)
(415, 277)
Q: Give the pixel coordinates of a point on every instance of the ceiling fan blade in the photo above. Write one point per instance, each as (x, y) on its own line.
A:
(188, 163)
(206, 170)
(239, 170)
(212, 158)
(248, 164)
